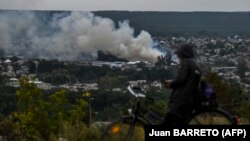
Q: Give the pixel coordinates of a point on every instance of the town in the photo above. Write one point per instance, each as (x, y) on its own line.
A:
(227, 57)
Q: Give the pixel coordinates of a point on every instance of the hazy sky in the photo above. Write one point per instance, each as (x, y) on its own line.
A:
(131, 5)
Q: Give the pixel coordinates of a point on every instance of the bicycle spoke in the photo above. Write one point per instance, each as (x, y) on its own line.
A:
(197, 121)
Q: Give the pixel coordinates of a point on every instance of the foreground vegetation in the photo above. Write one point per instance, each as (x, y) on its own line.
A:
(46, 118)
(39, 116)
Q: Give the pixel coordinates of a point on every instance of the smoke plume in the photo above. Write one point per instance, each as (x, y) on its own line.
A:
(69, 35)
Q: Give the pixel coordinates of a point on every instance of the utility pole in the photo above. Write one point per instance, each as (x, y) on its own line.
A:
(88, 95)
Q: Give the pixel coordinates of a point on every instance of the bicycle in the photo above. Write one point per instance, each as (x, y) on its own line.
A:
(130, 127)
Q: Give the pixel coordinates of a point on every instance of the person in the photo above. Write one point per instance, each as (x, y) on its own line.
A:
(185, 85)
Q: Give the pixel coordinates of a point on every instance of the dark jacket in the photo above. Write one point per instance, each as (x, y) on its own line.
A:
(181, 101)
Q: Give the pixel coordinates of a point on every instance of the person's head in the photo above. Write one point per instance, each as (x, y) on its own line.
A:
(185, 51)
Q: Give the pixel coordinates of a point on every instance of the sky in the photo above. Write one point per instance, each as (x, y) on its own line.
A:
(130, 5)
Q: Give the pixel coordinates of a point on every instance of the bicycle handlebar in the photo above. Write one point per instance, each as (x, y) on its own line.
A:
(137, 95)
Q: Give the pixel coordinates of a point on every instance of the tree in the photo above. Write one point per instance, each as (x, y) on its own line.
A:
(40, 117)
(228, 95)
(161, 61)
(109, 82)
(32, 111)
(32, 66)
(242, 67)
(60, 76)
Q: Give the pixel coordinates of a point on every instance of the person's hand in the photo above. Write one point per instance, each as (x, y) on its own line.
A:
(167, 83)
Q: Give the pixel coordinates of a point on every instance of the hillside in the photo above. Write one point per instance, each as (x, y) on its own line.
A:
(184, 23)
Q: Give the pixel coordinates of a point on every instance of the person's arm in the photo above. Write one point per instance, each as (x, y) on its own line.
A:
(181, 78)
(167, 83)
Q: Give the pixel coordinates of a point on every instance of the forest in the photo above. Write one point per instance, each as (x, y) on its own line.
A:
(184, 23)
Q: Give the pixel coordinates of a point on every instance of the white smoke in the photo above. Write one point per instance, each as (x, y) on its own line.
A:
(67, 35)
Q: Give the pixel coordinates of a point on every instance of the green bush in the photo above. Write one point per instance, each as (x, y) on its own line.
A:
(47, 119)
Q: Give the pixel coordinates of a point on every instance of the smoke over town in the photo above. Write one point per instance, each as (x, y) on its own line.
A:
(69, 35)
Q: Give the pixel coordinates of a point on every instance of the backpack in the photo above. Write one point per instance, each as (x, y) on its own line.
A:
(205, 97)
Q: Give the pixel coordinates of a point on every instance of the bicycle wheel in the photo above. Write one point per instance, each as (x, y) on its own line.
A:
(212, 117)
(123, 130)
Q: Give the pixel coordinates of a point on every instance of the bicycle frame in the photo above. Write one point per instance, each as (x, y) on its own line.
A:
(136, 114)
